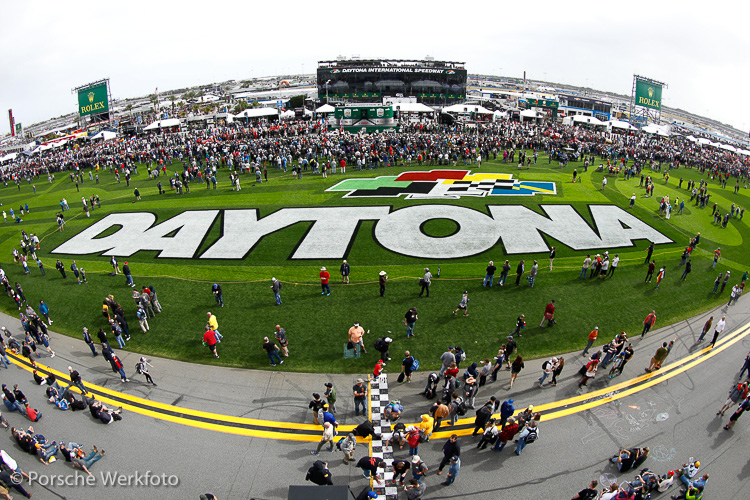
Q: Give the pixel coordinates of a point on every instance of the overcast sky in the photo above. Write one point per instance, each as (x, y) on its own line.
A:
(699, 50)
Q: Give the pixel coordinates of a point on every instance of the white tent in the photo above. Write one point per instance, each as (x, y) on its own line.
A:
(621, 125)
(703, 140)
(287, 114)
(655, 129)
(59, 144)
(467, 108)
(170, 122)
(743, 152)
(591, 120)
(691, 138)
(727, 147)
(104, 135)
(257, 113)
(8, 157)
(412, 107)
(531, 113)
(325, 108)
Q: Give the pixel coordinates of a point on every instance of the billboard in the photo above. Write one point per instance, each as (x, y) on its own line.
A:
(369, 117)
(12, 124)
(93, 100)
(647, 94)
(368, 82)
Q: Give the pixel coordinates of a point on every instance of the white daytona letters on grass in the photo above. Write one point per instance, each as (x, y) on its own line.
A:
(136, 234)
(329, 237)
(400, 232)
(521, 228)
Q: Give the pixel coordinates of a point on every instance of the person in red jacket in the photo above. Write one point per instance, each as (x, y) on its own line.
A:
(648, 323)
(324, 276)
(549, 314)
(209, 339)
(506, 434)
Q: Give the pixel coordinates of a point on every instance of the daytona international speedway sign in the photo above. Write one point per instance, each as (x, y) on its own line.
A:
(519, 229)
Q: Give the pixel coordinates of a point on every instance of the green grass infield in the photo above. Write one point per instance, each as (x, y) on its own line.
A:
(316, 324)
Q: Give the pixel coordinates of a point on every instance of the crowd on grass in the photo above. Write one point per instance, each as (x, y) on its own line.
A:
(303, 147)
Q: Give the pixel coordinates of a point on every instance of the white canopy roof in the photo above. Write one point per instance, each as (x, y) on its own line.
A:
(8, 157)
(325, 108)
(655, 129)
(467, 108)
(591, 120)
(287, 114)
(531, 113)
(412, 107)
(105, 135)
(728, 147)
(743, 152)
(170, 122)
(257, 113)
(619, 124)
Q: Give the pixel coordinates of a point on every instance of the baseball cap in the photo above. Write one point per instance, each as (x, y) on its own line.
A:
(388, 339)
(372, 494)
(329, 385)
(415, 459)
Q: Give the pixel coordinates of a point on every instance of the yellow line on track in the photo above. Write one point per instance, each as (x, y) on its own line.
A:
(270, 429)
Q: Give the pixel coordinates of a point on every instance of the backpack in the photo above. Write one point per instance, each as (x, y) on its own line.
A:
(415, 365)
(338, 443)
(138, 368)
(531, 436)
(545, 364)
(461, 355)
(461, 409)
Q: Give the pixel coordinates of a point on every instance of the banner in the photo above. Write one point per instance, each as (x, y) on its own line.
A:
(647, 94)
(93, 100)
(12, 124)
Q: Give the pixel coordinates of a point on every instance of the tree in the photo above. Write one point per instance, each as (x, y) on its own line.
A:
(297, 101)
(240, 107)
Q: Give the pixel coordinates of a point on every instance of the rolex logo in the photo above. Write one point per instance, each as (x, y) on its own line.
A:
(91, 96)
(650, 92)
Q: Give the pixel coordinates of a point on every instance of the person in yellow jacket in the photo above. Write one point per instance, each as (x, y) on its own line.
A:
(426, 425)
(213, 324)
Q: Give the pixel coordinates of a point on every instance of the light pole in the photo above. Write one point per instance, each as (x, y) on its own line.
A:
(327, 82)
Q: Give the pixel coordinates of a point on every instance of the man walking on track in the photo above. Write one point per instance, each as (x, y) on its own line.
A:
(719, 328)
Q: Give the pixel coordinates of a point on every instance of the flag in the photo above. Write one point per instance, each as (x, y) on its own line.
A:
(156, 91)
